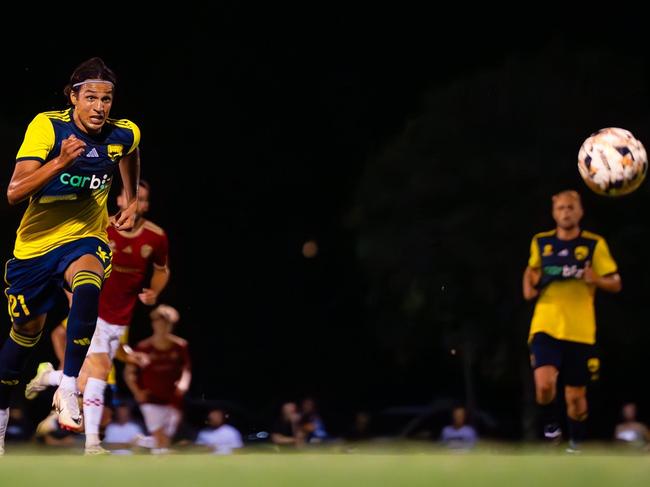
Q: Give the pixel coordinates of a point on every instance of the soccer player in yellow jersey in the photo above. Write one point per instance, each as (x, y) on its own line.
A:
(565, 268)
(65, 167)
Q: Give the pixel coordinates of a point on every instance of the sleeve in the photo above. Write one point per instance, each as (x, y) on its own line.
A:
(109, 437)
(534, 261)
(161, 251)
(602, 261)
(202, 439)
(136, 137)
(473, 435)
(39, 140)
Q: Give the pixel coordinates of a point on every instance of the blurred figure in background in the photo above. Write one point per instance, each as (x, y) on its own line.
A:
(19, 427)
(459, 435)
(286, 430)
(219, 436)
(630, 431)
(122, 432)
(311, 422)
(159, 387)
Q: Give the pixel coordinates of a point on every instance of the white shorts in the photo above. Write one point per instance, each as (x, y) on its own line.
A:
(160, 416)
(106, 338)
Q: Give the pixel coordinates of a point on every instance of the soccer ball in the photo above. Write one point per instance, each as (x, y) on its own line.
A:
(612, 162)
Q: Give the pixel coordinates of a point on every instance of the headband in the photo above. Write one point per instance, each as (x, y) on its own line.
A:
(76, 85)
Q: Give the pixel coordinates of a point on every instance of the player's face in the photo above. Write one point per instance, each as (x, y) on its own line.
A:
(629, 412)
(459, 416)
(143, 201)
(160, 325)
(92, 104)
(215, 418)
(567, 212)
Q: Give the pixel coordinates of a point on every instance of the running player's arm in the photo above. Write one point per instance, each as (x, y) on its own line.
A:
(183, 384)
(531, 278)
(602, 271)
(611, 282)
(533, 272)
(160, 274)
(159, 279)
(130, 173)
(126, 354)
(31, 172)
(131, 380)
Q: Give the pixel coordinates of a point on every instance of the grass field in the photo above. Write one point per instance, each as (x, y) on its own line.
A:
(485, 467)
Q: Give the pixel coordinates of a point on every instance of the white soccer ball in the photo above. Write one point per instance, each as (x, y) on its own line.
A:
(612, 162)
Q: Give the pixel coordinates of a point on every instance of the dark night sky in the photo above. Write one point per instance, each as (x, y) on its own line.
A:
(261, 126)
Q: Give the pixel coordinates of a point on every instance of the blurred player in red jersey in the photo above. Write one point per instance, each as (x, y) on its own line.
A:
(160, 385)
(134, 252)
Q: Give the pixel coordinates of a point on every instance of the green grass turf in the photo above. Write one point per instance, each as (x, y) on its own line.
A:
(408, 466)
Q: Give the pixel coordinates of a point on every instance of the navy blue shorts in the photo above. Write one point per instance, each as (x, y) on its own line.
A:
(578, 363)
(33, 284)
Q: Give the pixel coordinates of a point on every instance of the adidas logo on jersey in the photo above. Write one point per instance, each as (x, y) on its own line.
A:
(92, 153)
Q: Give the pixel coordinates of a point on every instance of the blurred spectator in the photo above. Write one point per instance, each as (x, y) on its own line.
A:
(360, 428)
(311, 423)
(459, 435)
(286, 430)
(219, 436)
(122, 431)
(630, 431)
(19, 428)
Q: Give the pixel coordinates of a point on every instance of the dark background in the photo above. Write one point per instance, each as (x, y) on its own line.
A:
(418, 149)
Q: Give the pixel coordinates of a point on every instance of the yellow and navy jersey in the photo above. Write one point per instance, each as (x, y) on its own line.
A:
(72, 205)
(565, 306)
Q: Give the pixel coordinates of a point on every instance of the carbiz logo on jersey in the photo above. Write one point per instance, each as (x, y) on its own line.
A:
(566, 271)
(91, 182)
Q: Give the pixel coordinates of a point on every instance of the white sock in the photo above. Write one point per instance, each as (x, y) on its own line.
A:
(4, 419)
(93, 408)
(68, 383)
(53, 378)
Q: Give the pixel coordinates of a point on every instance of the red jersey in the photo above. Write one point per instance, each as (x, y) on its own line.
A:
(165, 369)
(133, 253)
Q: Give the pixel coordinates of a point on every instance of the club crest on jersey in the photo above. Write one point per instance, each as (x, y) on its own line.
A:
(548, 250)
(115, 151)
(581, 252)
(102, 254)
(145, 251)
(593, 364)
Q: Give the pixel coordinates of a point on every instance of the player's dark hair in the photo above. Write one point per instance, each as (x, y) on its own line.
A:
(93, 68)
